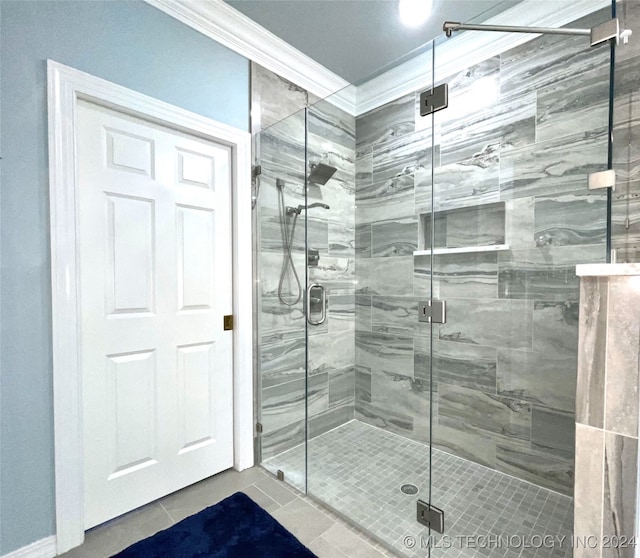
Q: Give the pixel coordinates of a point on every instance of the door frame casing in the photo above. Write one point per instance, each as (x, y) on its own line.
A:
(65, 86)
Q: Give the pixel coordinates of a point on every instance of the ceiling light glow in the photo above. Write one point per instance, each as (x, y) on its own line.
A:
(414, 13)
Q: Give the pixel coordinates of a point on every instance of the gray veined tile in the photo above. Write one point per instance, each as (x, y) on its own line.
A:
(403, 395)
(544, 273)
(620, 488)
(519, 459)
(470, 275)
(623, 347)
(589, 476)
(278, 97)
(555, 327)
(395, 313)
(478, 225)
(341, 312)
(458, 364)
(626, 130)
(469, 182)
(403, 156)
(592, 351)
(364, 169)
(463, 443)
(553, 431)
(571, 219)
(385, 276)
(625, 234)
(287, 403)
(556, 166)
(544, 379)
(282, 152)
(270, 196)
(283, 359)
(338, 195)
(580, 102)
(547, 59)
(424, 184)
(283, 439)
(328, 124)
(519, 223)
(391, 120)
(384, 418)
(333, 417)
(463, 84)
(330, 352)
(471, 410)
(385, 352)
(341, 240)
(363, 384)
(492, 323)
(342, 387)
(386, 199)
(363, 313)
(270, 272)
(363, 240)
(509, 123)
(629, 14)
(332, 271)
(278, 318)
(394, 237)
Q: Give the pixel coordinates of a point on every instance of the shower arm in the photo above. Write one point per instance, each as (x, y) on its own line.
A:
(599, 34)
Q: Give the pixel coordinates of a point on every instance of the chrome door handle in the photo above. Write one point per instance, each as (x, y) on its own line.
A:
(312, 296)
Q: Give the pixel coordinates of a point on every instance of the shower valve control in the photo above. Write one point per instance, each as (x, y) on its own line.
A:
(432, 311)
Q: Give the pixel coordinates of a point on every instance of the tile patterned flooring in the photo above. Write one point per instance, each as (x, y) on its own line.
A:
(315, 526)
(358, 469)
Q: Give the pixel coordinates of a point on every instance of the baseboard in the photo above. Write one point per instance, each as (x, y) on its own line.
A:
(44, 548)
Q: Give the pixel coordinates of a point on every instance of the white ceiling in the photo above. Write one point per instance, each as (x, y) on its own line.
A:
(356, 38)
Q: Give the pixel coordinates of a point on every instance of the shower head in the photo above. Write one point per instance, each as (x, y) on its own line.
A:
(320, 173)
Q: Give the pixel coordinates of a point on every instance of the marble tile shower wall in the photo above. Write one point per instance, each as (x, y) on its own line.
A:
(523, 129)
(330, 138)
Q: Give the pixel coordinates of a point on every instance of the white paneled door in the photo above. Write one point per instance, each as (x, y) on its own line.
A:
(155, 267)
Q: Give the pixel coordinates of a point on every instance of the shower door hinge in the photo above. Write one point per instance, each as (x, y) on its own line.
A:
(259, 427)
(434, 100)
(430, 516)
(432, 311)
(602, 179)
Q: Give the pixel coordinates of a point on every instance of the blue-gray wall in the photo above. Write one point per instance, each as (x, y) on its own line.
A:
(131, 44)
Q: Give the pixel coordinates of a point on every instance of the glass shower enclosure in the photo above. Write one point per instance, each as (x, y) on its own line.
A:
(365, 223)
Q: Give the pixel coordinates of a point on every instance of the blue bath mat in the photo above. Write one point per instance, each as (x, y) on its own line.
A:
(236, 527)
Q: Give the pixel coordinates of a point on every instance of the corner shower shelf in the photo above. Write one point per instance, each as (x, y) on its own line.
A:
(461, 250)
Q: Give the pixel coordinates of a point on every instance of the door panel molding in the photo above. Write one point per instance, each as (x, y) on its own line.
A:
(65, 87)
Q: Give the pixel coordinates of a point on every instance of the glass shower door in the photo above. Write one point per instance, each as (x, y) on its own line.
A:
(280, 294)
(510, 216)
(369, 396)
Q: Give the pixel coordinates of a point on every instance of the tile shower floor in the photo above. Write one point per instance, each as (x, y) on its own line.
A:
(358, 469)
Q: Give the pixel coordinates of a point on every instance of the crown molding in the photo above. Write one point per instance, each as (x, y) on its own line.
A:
(467, 49)
(227, 26)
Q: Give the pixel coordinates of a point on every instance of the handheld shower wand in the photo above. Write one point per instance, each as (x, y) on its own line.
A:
(286, 212)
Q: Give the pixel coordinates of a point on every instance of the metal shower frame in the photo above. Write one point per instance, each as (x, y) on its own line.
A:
(599, 34)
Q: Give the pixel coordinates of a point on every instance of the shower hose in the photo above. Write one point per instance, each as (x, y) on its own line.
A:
(287, 261)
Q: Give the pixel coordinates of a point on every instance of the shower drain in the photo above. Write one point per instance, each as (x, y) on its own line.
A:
(409, 489)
